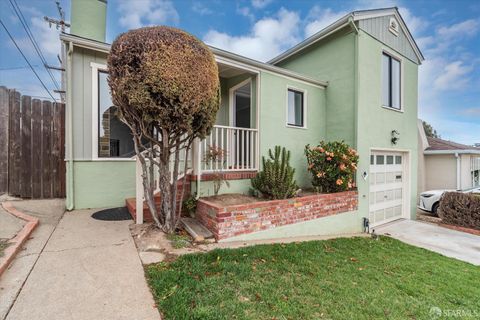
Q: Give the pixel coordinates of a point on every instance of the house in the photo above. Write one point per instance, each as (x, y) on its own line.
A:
(446, 165)
(356, 80)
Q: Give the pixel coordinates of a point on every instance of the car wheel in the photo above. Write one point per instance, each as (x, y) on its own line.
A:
(435, 209)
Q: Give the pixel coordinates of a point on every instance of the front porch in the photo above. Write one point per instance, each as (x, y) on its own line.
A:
(230, 152)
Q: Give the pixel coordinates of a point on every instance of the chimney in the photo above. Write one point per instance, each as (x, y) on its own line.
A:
(89, 19)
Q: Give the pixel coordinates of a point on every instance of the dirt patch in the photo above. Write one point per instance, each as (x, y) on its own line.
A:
(232, 199)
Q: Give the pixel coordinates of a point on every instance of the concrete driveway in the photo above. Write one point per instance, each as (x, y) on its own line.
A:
(88, 269)
(450, 243)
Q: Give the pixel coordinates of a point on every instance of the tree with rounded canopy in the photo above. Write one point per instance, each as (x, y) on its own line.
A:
(165, 85)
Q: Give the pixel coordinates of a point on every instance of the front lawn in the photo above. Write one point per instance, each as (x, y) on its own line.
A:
(357, 278)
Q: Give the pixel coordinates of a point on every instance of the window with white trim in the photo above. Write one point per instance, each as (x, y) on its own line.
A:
(391, 82)
(296, 108)
(114, 137)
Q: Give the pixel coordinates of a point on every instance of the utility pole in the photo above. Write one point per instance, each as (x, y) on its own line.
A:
(60, 24)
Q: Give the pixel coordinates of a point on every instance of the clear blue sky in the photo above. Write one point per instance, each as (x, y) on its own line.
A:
(448, 32)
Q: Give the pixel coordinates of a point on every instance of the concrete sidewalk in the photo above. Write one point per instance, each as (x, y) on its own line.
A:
(89, 269)
(451, 243)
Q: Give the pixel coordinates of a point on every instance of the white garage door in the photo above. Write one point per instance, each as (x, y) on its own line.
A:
(386, 187)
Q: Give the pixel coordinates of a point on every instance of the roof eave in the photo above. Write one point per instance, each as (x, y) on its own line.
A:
(105, 48)
(451, 151)
(344, 21)
(337, 25)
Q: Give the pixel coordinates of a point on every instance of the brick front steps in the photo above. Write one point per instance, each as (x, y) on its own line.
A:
(147, 217)
(234, 220)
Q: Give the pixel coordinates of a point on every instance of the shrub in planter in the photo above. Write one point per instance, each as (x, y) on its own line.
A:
(332, 165)
(460, 209)
(276, 180)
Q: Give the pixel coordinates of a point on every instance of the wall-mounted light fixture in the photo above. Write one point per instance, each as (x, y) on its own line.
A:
(395, 137)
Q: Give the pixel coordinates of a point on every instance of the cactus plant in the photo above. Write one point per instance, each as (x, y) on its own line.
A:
(276, 180)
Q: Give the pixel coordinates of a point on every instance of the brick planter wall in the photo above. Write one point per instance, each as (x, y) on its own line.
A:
(230, 221)
(147, 216)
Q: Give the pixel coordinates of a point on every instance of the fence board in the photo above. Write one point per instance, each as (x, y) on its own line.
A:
(14, 181)
(26, 148)
(32, 146)
(37, 149)
(46, 149)
(56, 150)
(3, 139)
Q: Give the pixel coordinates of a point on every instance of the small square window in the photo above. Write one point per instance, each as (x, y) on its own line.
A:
(295, 108)
(389, 159)
(372, 159)
(380, 159)
(398, 159)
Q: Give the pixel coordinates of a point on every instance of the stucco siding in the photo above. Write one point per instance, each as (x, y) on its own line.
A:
(102, 184)
(273, 120)
(333, 60)
(441, 172)
(378, 28)
(375, 123)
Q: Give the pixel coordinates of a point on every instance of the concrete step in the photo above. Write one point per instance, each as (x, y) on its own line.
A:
(196, 229)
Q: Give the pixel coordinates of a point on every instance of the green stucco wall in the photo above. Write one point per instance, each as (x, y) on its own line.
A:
(332, 60)
(88, 19)
(376, 123)
(103, 184)
(273, 121)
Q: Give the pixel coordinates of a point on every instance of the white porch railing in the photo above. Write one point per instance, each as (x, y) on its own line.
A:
(233, 149)
(229, 149)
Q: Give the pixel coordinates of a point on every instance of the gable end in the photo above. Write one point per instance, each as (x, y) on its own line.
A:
(381, 29)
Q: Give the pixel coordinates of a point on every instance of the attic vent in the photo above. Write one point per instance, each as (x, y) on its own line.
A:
(393, 26)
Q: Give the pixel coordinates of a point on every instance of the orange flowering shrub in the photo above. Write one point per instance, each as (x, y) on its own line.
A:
(332, 165)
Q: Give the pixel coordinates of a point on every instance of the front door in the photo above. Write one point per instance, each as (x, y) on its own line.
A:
(241, 113)
(387, 191)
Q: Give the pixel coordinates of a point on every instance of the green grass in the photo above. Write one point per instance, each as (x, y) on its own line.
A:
(3, 246)
(179, 241)
(357, 278)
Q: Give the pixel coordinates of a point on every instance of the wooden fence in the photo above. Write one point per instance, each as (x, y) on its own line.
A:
(32, 138)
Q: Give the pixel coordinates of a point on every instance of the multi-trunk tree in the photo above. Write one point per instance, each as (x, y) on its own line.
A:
(165, 85)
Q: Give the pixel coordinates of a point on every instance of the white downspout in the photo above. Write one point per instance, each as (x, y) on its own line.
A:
(71, 203)
(459, 181)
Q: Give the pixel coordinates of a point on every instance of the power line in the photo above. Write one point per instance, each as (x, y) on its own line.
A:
(26, 60)
(17, 68)
(30, 35)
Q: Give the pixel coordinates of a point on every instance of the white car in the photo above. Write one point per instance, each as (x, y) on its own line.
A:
(430, 200)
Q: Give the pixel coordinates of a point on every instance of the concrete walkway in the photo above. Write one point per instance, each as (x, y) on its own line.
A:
(10, 225)
(89, 269)
(450, 243)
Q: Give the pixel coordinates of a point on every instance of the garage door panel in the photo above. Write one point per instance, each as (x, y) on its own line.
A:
(386, 186)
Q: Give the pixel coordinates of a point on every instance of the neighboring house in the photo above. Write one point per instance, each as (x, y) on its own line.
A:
(355, 80)
(446, 164)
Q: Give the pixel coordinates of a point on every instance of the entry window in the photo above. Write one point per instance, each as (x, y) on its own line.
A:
(114, 137)
(295, 108)
(391, 82)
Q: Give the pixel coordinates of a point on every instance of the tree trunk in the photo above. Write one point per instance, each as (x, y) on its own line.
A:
(173, 191)
(184, 179)
(147, 181)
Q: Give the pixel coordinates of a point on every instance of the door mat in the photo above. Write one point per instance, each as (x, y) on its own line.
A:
(113, 214)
